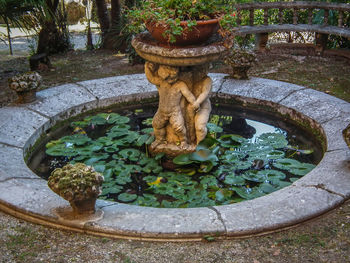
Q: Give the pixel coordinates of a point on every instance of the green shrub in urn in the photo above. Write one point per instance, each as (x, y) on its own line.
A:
(79, 184)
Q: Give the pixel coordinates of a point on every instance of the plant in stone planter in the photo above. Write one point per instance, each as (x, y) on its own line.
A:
(180, 22)
(241, 61)
(26, 86)
(79, 184)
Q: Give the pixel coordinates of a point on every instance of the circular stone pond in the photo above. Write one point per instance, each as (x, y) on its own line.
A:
(27, 196)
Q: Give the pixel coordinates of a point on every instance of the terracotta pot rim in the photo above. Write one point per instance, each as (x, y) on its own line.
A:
(184, 22)
(202, 22)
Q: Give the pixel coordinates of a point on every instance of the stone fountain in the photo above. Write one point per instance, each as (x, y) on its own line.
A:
(181, 77)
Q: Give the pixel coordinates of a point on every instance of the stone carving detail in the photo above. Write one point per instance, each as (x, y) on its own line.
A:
(184, 107)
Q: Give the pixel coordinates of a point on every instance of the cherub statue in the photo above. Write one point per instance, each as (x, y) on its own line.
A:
(170, 90)
(201, 108)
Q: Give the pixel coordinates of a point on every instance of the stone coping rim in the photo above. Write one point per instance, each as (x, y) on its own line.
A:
(27, 196)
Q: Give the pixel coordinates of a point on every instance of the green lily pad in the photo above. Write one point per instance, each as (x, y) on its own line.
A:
(126, 197)
(130, 154)
(233, 179)
(276, 140)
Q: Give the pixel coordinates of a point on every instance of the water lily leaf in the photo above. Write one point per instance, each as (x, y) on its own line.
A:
(286, 164)
(275, 155)
(76, 139)
(61, 150)
(213, 128)
(187, 171)
(293, 179)
(231, 140)
(293, 166)
(302, 169)
(147, 130)
(206, 167)
(80, 124)
(147, 122)
(208, 180)
(266, 188)
(149, 178)
(247, 193)
(115, 189)
(100, 168)
(130, 154)
(254, 176)
(182, 159)
(203, 155)
(126, 197)
(107, 174)
(280, 184)
(123, 177)
(159, 156)
(147, 200)
(271, 174)
(233, 179)
(117, 133)
(150, 140)
(222, 195)
(206, 143)
(276, 140)
(105, 141)
(306, 151)
(142, 139)
(111, 149)
(116, 118)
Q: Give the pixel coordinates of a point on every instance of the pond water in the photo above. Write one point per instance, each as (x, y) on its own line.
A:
(244, 157)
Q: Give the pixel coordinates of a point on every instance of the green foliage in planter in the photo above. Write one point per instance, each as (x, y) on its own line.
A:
(171, 12)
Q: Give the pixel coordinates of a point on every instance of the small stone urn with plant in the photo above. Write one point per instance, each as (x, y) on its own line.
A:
(25, 86)
(241, 61)
(79, 184)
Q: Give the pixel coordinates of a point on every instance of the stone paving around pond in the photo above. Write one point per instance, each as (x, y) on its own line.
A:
(25, 195)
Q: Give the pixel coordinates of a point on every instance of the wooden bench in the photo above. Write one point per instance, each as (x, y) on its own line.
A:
(246, 24)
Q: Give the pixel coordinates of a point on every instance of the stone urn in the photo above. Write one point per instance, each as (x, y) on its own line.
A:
(240, 61)
(25, 86)
(79, 184)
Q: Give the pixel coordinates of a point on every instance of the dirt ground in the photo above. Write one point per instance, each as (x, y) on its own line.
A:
(325, 239)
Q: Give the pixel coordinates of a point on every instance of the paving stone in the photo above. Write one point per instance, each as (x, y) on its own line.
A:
(331, 174)
(262, 89)
(218, 79)
(146, 221)
(64, 101)
(334, 131)
(12, 164)
(285, 207)
(317, 105)
(121, 89)
(117, 86)
(31, 196)
(20, 126)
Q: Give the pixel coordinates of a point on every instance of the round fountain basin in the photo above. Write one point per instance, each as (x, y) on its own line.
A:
(27, 196)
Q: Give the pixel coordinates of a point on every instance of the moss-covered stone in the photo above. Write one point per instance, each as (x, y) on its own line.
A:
(76, 182)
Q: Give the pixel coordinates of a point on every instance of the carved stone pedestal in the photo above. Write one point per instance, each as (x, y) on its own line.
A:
(180, 75)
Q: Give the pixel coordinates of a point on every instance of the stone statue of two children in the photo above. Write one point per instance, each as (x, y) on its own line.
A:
(184, 107)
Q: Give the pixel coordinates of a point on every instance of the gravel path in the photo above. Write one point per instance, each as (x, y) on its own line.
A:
(22, 43)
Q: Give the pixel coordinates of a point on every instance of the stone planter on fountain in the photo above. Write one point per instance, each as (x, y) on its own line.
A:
(180, 75)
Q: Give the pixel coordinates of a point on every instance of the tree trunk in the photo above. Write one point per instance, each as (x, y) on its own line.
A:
(115, 17)
(9, 35)
(51, 39)
(103, 17)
